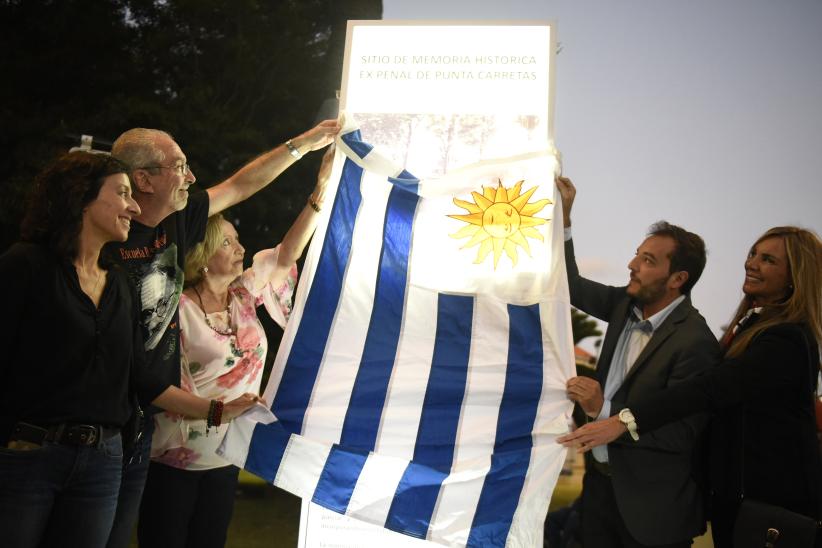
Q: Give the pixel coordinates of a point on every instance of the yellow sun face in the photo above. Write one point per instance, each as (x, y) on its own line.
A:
(499, 220)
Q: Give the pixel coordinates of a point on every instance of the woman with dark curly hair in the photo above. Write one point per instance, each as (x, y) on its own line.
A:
(73, 352)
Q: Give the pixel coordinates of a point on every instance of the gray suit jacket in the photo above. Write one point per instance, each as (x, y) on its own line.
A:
(654, 479)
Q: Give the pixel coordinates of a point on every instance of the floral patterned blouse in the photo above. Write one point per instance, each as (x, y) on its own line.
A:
(221, 367)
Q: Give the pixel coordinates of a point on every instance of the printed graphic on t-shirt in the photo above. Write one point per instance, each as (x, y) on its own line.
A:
(160, 285)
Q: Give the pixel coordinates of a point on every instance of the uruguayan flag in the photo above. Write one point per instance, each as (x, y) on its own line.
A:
(421, 379)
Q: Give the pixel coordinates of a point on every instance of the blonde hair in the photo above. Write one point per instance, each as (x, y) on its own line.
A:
(137, 147)
(804, 304)
(200, 254)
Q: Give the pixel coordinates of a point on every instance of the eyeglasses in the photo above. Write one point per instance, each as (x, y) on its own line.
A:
(182, 169)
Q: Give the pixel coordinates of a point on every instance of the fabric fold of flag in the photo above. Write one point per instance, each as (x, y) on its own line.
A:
(420, 382)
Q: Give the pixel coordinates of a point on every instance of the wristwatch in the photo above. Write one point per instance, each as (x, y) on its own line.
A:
(627, 418)
(294, 151)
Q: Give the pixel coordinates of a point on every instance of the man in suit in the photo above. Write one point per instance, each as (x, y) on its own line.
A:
(641, 491)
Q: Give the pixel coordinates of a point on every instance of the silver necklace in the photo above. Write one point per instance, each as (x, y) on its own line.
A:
(96, 281)
(227, 332)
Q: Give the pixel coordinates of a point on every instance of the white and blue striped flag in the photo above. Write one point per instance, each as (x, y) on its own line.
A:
(420, 382)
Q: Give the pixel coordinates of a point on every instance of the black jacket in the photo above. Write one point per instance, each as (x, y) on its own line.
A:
(764, 425)
(653, 479)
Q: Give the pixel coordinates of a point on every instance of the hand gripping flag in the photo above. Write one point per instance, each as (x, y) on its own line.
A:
(420, 383)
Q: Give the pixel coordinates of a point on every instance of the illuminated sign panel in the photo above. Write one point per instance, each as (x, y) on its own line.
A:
(448, 69)
(439, 96)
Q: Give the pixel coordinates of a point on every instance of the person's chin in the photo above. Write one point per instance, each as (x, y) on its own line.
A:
(121, 231)
(182, 200)
(118, 236)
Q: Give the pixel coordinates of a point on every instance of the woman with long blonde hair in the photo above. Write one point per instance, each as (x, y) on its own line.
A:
(763, 443)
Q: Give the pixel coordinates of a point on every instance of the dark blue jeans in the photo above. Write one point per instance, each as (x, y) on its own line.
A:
(131, 490)
(59, 495)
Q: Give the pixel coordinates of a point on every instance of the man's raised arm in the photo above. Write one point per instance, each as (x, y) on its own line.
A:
(259, 172)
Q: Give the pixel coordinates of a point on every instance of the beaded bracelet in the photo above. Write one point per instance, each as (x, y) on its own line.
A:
(218, 413)
(215, 415)
(209, 416)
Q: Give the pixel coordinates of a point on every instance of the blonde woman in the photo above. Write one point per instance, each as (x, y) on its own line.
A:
(763, 435)
(189, 496)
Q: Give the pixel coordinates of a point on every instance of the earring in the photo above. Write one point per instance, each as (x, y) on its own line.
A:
(205, 270)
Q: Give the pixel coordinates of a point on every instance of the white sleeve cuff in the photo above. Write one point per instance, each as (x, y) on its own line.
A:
(567, 233)
(605, 412)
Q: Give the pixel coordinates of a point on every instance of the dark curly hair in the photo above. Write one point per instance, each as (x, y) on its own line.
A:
(62, 191)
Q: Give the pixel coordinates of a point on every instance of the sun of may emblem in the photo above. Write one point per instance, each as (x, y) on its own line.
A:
(500, 219)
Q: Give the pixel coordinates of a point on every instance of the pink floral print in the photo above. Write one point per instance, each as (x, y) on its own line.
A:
(216, 366)
(179, 457)
(248, 338)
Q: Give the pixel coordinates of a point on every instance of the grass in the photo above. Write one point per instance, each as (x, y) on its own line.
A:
(264, 516)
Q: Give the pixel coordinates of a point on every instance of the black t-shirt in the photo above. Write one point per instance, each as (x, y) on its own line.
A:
(154, 258)
(66, 360)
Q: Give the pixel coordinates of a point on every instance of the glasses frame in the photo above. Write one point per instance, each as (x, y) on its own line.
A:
(183, 169)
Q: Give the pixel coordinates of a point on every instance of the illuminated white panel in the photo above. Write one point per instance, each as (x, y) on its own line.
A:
(448, 69)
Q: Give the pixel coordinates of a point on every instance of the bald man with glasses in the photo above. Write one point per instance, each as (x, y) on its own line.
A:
(172, 220)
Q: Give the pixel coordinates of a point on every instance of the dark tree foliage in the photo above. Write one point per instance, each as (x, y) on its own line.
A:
(60, 63)
(229, 80)
(583, 326)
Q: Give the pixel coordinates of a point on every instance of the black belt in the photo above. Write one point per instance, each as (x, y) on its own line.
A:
(66, 433)
(602, 467)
